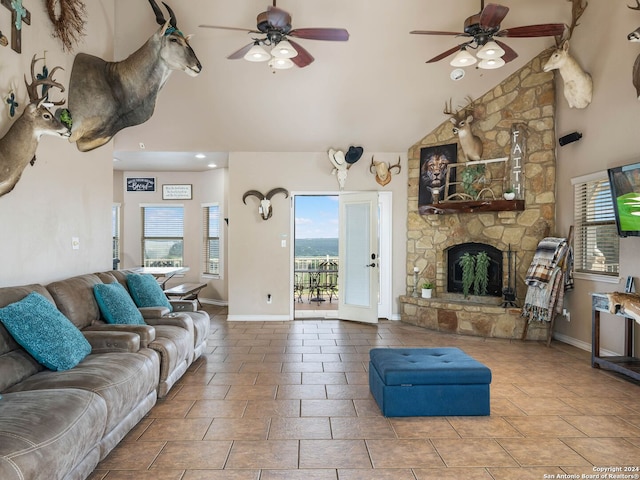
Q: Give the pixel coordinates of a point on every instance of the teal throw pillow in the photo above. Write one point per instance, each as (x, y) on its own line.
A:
(146, 292)
(50, 337)
(116, 305)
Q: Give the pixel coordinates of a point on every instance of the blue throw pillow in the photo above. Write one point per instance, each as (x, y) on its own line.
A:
(146, 292)
(116, 305)
(50, 337)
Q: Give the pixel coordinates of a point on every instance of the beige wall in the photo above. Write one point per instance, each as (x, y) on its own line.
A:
(66, 193)
(609, 126)
(258, 263)
(207, 187)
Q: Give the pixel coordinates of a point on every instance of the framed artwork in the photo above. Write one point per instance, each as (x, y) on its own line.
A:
(434, 164)
(141, 184)
(176, 192)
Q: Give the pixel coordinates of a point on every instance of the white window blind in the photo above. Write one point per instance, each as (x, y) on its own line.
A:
(211, 240)
(162, 237)
(596, 242)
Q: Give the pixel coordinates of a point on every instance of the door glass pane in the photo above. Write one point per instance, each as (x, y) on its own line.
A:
(357, 258)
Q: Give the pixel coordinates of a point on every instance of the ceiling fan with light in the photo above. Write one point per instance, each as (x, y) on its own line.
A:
(481, 29)
(273, 31)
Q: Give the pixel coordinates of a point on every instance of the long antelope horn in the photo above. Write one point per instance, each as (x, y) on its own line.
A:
(172, 20)
(249, 193)
(159, 15)
(271, 193)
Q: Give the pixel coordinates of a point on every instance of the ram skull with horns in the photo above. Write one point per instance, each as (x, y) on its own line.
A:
(265, 210)
(384, 170)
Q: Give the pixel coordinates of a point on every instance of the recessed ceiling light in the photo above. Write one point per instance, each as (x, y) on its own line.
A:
(200, 155)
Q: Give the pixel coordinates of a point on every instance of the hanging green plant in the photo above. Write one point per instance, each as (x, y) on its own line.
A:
(481, 276)
(468, 264)
(469, 176)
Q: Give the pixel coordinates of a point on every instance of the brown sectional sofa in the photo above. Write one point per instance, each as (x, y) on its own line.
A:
(57, 425)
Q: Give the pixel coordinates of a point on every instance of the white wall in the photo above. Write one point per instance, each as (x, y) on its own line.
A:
(258, 263)
(66, 193)
(609, 127)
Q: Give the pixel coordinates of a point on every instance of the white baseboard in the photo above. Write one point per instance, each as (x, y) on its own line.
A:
(213, 301)
(582, 345)
(258, 318)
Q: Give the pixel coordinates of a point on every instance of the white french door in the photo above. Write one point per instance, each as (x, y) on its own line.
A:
(358, 274)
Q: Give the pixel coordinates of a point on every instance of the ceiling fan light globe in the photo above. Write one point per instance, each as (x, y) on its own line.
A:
(284, 50)
(280, 63)
(490, 50)
(257, 54)
(463, 59)
(491, 63)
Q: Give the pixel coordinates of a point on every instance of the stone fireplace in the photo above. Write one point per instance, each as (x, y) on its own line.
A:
(525, 99)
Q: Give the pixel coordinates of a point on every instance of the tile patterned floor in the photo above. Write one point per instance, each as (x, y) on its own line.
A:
(290, 401)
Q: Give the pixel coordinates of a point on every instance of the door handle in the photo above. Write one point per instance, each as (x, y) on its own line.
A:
(371, 265)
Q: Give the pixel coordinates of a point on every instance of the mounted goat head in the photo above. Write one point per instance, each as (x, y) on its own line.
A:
(383, 170)
(635, 37)
(471, 144)
(265, 209)
(18, 146)
(105, 97)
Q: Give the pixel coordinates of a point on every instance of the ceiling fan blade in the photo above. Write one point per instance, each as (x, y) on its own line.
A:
(240, 53)
(444, 54)
(278, 17)
(509, 53)
(333, 34)
(434, 32)
(542, 30)
(219, 27)
(492, 15)
(303, 58)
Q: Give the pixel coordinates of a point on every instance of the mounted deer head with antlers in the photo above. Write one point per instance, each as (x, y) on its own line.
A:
(383, 170)
(578, 85)
(471, 144)
(265, 210)
(635, 37)
(18, 146)
(105, 97)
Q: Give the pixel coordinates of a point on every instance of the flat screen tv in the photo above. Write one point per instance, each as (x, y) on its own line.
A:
(625, 192)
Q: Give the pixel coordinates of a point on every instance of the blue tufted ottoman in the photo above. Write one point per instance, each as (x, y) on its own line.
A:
(411, 382)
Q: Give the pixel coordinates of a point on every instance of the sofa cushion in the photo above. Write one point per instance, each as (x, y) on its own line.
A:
(146, 292)
(45, 332)
(116, 305)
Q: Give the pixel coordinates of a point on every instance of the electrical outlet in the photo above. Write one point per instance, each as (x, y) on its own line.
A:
(566, 314)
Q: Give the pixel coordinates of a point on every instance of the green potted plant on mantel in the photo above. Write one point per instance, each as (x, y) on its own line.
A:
(427, 289)
(509, 194)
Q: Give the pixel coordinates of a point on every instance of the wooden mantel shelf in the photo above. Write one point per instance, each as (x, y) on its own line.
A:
(472, 207)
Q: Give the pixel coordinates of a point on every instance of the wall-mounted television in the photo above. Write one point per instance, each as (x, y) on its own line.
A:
(624, 182)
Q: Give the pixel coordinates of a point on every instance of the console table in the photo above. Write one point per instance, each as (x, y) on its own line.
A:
(627, 364)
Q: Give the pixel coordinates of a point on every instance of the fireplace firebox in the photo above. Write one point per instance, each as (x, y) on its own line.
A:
(454, 270)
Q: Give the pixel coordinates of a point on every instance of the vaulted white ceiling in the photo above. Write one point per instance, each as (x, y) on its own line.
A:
(374, 90)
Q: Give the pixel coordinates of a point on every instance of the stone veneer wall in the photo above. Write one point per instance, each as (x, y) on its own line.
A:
(526, 98)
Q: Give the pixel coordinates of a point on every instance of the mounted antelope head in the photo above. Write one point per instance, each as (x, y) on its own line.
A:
(383, 170)
(18, 146)
(105, 97)
(635, 37)
(265, 210)
(471, 144)
(578, 85)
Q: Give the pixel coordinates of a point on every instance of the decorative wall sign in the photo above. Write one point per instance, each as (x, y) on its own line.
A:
(434, 163)
(517, 153)
(176, 192)
(19, 15)
(141, 184)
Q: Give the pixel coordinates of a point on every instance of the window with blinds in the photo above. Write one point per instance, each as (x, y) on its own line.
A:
(115, 234)
(596, 242)
(162, 236)
(211, 240)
